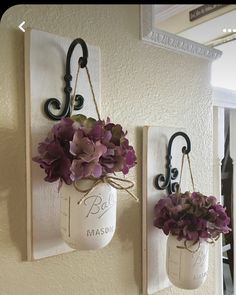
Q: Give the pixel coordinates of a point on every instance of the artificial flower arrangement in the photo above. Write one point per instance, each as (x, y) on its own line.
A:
(191, 217)
(79, 147)
(191, 221)
(83, 154)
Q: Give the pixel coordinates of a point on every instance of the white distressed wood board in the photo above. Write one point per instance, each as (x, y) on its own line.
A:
(233, 156)
(155, 141)
(45, 61)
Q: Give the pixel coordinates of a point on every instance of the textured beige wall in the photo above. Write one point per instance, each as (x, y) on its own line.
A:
(141, 85)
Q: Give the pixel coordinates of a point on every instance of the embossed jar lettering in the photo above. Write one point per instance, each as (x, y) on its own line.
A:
(186, 269)
(98, 205)
(91, 224)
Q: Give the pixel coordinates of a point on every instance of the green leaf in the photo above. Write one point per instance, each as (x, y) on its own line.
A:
(84, 121)
(90, 122)
(79, 118)
(117, 133)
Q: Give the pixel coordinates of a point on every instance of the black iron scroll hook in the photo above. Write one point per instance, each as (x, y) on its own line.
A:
(79, 100)
(165, 182)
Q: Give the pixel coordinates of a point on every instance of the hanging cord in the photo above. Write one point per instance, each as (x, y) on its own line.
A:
(181, 171)
(190, 170)
(91, 87)
(106, 179)
(73, 96)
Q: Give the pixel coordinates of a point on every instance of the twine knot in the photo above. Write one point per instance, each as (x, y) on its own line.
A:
(198, 243)
(115, 182)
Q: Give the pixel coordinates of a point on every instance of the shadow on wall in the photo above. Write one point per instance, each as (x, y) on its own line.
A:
(12, 147)
(129, 230)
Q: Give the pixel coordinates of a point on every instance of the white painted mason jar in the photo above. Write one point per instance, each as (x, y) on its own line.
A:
(91, 224)
(185, 269)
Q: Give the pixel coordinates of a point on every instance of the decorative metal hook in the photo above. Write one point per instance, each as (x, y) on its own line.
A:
(165, 182)
(79, 100)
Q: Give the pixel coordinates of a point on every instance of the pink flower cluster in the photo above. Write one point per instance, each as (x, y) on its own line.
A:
(191, 216)
(81, 147)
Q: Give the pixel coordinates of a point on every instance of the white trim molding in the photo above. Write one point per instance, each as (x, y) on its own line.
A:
(167, 11)
(225, 98)
(232, 115)
(218, 155)
(171, 41)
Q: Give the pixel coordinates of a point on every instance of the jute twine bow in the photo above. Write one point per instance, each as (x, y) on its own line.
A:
(186, 247)
(111, 180)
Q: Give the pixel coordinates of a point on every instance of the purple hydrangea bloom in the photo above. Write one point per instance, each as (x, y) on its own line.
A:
(211, 200)
(198, 199)
(120, 155)
(81, 147)
(98, 132)
(54, 155)
(87, 154)
(191, 216)
(63, 131)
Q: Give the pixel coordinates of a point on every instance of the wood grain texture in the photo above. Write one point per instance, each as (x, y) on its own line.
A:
(233, 156)
(155, 141)
(218, 155)
(45, 59)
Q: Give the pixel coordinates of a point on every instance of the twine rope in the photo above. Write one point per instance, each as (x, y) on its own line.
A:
(181, 172)
(186, 247)
(191, 173)
(210, 240)
(74, 94)
(111, 180)
(91, 88)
